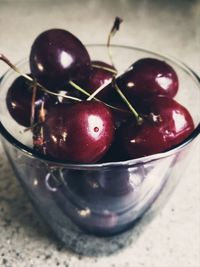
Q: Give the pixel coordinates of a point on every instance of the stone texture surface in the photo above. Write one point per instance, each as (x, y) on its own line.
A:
(172, 239)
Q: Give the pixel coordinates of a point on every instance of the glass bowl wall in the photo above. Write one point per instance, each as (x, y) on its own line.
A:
(102, 199)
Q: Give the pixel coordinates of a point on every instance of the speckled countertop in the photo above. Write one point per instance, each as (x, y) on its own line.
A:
(172, 239)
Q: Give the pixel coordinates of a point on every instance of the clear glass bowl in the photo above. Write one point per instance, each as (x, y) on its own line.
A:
(102, 199)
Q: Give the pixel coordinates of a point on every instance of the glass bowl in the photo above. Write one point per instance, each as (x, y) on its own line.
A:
(100, 199)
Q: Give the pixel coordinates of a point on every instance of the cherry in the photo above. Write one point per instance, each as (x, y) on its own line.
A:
(100, 74)
(147, 77)
(19, 101)
(167, 124)
(57, 56)
(81, 132)
(69, 90)
(121, 114)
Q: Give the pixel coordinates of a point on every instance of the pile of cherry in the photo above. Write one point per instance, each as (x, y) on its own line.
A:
(133, 115)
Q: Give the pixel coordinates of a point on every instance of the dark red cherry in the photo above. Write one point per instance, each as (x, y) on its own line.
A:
(147, 77)
(69, 91)
(167, 124)
(57, 56)
(121, 113)
(81, 132)
(19, 101)
(115, 152)
(100, 73)
(141, 140)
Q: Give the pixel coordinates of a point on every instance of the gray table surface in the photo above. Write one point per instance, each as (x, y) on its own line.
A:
(172, 239)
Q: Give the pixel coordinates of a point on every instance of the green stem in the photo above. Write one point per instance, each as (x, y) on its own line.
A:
(104, 68)
(34, 91)
(134, 112)
(98, 90)
(114, 29)
(76, 86)
(7, 61)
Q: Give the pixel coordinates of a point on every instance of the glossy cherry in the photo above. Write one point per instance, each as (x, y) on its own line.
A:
(166, 125)
(69, 90)
(57, 56)
(121, 114)
(147, 77)
(100, 73)
(19, 101)
(80, 132)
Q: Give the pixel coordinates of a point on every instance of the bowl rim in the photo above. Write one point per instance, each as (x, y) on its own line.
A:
(122, 164)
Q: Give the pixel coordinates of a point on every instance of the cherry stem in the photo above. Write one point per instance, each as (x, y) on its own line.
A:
(98, 90)
(30, 128)
(34, 88)
(12, 66)
(134, 112)
(114, 29)
(29, 78)
(77, 87)
(104, 68)
(42, 113)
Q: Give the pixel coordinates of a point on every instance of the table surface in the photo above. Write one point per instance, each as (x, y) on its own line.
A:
(172, 239)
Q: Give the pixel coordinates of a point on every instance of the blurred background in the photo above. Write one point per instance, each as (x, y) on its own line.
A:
(169, 27)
